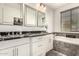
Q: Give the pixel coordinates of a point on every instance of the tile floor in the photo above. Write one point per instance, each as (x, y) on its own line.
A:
(54, 53)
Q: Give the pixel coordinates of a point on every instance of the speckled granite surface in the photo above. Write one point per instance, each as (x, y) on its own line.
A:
(66, 48)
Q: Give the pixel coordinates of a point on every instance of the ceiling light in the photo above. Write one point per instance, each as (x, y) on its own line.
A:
(41, 7)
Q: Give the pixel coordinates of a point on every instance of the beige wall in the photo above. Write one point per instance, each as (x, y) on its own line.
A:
(49, 19)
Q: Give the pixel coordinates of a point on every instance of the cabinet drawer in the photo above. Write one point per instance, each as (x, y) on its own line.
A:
(7, 52)
(37, 48)
(24, 50)
(36, 39)
(22, 40)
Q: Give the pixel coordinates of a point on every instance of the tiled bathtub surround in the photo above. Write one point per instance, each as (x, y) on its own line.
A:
(67, 34)
(66, 48)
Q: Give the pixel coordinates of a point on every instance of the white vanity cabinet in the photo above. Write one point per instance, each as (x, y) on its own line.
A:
(17, 47)
(35, 49)
(23, 47)
(50, 37)
(33, 46)
(38, 46)
(7, 52)
(50, 42)
(23, 50)
(42, 44)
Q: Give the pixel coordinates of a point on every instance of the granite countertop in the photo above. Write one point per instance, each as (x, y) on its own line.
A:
(17, 40)
(35, 35)
(67, 32)
(11, 37)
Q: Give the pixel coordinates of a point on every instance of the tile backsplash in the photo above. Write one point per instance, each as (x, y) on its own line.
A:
(9, 28)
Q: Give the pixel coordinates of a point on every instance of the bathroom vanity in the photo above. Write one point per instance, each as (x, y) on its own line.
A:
(26, 44)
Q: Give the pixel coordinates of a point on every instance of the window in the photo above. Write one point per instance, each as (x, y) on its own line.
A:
(70, 20)
(66, 21)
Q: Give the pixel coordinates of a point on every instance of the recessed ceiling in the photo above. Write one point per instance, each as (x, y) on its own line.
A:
(55, 5)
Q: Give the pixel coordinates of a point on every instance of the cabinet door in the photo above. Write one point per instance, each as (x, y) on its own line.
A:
(45, 44)
(38, 48)
(48, 42)
(10, 11)
(30, 17)
(35, 49)
(41, 19)
(50, 38)
(7, 52)
(23, 50)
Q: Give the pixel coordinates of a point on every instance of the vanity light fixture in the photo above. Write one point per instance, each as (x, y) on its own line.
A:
(41, 7)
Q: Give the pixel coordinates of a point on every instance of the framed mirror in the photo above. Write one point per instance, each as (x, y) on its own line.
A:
(30, 16)
(41, 19)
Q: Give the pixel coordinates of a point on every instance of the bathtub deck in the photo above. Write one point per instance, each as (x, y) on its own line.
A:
(66, 48)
